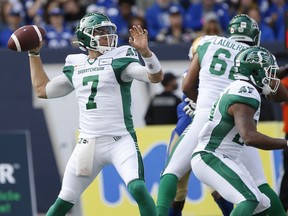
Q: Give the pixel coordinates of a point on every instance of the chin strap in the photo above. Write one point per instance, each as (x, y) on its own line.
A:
(81, 45)
(240, 76)
(266, 90)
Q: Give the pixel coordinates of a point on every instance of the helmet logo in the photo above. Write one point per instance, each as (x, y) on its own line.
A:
(243, 24)
(232, 30)
(259, 57)
(240, 29)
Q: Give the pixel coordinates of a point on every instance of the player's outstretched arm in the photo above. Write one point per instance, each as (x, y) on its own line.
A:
(139, 40)
(244, 121)
(38, 76)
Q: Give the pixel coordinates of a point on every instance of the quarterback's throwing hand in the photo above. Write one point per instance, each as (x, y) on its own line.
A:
(189, 109)
(139, 39)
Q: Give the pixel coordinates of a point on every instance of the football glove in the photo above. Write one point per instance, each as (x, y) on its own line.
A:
(189, 109)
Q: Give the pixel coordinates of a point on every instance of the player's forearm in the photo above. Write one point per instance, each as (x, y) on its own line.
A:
(261, 141)
(191, 93)
(38, 77)
(190, 89)
(246, 127)
(146, 53)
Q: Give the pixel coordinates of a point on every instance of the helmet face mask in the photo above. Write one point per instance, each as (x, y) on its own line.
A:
(96, 32)
(244, 29)
(270, 82)
(259, 66)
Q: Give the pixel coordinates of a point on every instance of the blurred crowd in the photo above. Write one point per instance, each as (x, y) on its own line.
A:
(167, 21)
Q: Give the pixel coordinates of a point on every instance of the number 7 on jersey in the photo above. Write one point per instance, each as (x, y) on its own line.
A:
(95, 80)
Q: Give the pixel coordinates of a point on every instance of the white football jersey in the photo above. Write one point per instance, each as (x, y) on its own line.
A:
(104, 99)
(219, 134)
(216, 57)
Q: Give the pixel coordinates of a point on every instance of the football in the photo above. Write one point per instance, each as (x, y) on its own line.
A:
(26, 38)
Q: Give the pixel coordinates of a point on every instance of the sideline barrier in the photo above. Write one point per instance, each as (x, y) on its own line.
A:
(108, 196)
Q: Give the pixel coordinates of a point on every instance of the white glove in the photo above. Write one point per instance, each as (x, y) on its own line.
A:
(190, 107)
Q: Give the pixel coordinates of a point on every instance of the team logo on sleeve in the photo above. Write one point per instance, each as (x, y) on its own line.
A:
(246, 89)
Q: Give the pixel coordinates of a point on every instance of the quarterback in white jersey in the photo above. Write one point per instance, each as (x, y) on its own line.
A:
(104, 106)
(231, 125)
(212, 70)
(102, 81)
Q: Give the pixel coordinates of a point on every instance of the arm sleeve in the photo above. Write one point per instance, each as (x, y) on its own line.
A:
(59, 87)
(135, 71)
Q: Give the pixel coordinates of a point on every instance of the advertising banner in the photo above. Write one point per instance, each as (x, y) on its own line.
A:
(17, 193)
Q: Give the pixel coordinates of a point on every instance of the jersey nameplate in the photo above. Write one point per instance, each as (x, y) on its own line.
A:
(93, 69)
(106, 61)
(228, 43)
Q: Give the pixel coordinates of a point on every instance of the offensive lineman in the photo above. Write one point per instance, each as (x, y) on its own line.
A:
(102, 81)
(212, 67)
(185, 112)
(231, 126)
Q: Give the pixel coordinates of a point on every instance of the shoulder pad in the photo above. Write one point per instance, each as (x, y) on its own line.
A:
(73, 59)
(195, 44)
(244, 93)
(207, 38)
(245, 89)
(193, 47)
(125, 52)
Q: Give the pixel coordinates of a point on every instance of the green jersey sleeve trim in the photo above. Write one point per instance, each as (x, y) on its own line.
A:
(68, 71)
(227, 100)
(120, 64)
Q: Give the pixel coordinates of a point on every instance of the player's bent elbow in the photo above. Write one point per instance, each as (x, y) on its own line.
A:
(156, 78)
(249, 140)
(40, 93)
(42, 96)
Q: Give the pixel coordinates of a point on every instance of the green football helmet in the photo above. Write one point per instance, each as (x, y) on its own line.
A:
(96, 32)
(259, 66)
(244, 29)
